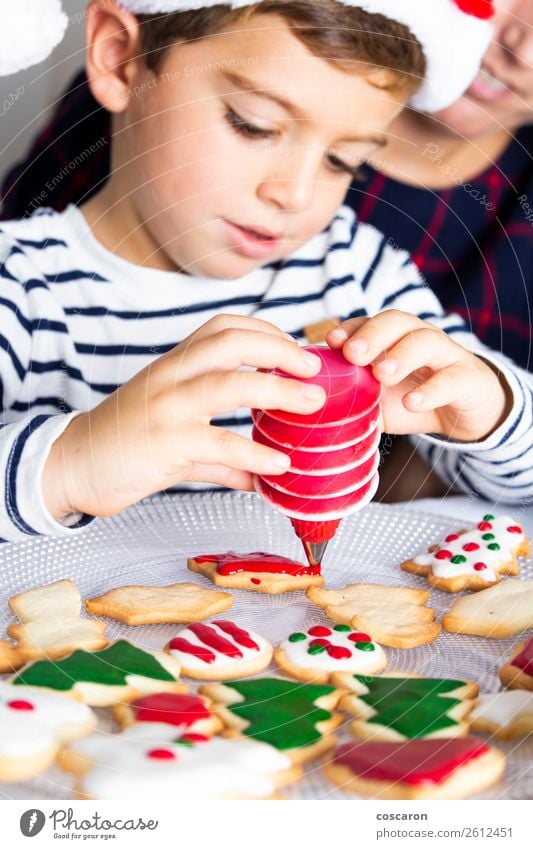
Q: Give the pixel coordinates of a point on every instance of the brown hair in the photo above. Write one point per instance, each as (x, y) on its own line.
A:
(356, 37)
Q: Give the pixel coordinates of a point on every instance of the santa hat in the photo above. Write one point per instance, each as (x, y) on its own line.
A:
(454, 35)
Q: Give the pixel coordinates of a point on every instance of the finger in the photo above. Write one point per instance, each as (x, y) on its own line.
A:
(378, 334)
(232, 348)
(220, 392)
(222, 476)
(237, 322)
(338, 336)
(427, 347)
(210, 443)
(441, 389)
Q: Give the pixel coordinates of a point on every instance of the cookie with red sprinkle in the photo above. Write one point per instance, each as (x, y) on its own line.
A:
(473, 559)
(256, 571)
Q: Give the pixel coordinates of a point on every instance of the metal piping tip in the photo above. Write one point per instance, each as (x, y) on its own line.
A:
(315, 552)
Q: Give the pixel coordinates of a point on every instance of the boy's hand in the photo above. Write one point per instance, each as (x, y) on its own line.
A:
(432, 384)
(155, 431)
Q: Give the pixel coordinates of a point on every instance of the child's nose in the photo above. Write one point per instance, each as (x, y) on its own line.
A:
(290, 183)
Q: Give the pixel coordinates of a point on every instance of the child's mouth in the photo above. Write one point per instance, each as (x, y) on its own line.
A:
(256, 244)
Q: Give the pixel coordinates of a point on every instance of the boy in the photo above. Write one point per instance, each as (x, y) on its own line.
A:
(233, 149)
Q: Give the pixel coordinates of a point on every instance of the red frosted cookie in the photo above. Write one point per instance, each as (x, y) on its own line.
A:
(517, 674)
(188, 711)
(416, 769)
(257, 571)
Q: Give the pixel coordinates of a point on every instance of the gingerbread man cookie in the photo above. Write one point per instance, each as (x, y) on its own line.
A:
(259, 572)
(507, 715)
(417, 769)
(318, 652)
(219, 650)
(33, 726)
(187, 711)
(473, 559)
(518, 672)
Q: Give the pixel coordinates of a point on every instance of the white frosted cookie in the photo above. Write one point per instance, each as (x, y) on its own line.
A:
(219, 650)
(155, 761)
(33, 725)
(507, 715)
(320, 651)
(473, 559)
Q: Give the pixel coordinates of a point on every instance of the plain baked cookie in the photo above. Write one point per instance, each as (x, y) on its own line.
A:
(119, 673)
(295, 718)
(394, 616)
(318, 652)
(33, 726)
(501, 611)
(506, 715)
(51, 625)
(154, 761)
(257, 571)
(473, 559)
(10, 657)
(177, 603)
(518, 672)
(403, 708)
(219, 650)
(187, 711)
(417, 769)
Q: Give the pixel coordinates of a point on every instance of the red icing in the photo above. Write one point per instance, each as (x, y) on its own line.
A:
(257, 561)
(484, 526)
(443, 554)
(171, 708)
(210, 638)
(181, 644)
(319, 642)
(255, 581)
(339, 652)
(161, 754)
(359, 637)
(319, 631)
(20, 704)
(194, 738)
(479, 567)
(240, 636)
(452, 537)
(515, 529)
(524, 660)
(470, 546)
(416, 762)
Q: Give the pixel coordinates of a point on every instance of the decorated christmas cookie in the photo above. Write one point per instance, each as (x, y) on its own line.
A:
(119, 673)
(187, 711)
(417, 769)
(219, 650)
(473, 559)
(507, 714)
(314, 654)
(294, 718)
(394, 616)
(257, 571)
(395, 708)
(518, 672)
(153, 761)
(33, 725)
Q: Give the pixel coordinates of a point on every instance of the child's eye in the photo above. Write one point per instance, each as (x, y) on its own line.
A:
(244, 128)
(337, 165)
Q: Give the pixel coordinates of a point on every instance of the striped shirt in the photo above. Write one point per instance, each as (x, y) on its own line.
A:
(76, 322)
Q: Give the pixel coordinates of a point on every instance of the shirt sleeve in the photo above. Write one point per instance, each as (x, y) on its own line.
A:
(25, 441)
(500, 467)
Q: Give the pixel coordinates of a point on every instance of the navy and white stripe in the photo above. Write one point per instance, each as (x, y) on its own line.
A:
(77, 321)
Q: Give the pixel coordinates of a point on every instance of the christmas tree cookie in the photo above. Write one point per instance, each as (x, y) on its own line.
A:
(473, 559)
(318, 652)
(219, 650)
(416, 769)
(33, 726)
(396, 708)
(518, 672)
(119, 673)
(506, 715)
(157, 761)
(294, 718)
(187, 711)
(256, 571)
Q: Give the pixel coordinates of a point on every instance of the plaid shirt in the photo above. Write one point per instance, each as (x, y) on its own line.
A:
(474, 243)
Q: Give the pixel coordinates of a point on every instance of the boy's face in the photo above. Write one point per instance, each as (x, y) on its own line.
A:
(209, 153)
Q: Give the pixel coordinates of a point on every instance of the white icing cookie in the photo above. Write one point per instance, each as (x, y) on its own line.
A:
(152, 761)
(507, 714)
(32, 727)
(473, 559)
(315, 654)
(219, 650)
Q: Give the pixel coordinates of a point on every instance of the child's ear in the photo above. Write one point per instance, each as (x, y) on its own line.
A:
(113, 47)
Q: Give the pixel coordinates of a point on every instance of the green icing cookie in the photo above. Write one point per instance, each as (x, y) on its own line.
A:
(108, 667)
(282, 713)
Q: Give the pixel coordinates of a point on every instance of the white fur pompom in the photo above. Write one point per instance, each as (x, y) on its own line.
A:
(29, 31)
